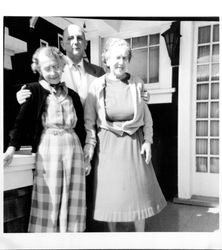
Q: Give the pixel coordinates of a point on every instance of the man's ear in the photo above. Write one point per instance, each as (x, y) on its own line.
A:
(86, 43)
(62, 44)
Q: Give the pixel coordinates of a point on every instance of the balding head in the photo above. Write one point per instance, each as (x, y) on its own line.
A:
(74, 42)
(73, 28)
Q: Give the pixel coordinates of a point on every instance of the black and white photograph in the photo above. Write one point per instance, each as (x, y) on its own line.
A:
(79, 174)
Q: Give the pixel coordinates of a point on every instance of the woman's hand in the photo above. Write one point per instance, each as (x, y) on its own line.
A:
(8, 156)
(146, 151)
(145, 96)
(23, 94)
(87, 168)
(88, 155)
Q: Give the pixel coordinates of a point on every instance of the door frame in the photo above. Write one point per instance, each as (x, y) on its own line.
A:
(202, 184)
(187, 109)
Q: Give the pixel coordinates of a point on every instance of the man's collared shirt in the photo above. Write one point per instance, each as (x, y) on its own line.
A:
(77, 79)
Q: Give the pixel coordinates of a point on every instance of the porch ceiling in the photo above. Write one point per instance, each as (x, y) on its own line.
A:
(92, 25)
(104, 26)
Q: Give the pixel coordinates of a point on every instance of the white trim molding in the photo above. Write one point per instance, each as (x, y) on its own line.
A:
(20, 172)
(184, 111)
(12, 46)
(160, 95)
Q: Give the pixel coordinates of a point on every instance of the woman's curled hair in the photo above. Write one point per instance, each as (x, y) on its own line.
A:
(49, 51)
(115, 42)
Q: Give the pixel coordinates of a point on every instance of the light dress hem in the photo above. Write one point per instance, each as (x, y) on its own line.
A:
(114, 216)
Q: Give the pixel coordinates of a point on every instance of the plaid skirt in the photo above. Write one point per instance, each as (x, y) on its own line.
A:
(58, 198)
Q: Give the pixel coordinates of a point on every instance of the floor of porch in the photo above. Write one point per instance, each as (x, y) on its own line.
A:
(175, 218)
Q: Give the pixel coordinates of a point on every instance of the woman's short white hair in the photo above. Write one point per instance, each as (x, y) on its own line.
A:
(114, 42)
(51, 52)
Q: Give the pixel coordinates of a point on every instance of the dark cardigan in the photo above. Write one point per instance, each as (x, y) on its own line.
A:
(29, 117)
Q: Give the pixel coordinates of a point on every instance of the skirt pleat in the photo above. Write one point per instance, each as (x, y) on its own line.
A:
(126, 188)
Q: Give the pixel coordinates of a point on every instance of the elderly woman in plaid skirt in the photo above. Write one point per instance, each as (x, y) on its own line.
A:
(55, 116)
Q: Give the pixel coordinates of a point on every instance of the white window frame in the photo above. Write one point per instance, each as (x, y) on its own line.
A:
(187, 110)
(43, 43)
(193, 123)
(153, 85)
(59, 40)
(194, 101)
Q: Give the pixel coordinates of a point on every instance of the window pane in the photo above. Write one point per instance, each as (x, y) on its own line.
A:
(214, 128)
(138, 42)
(138, 64)
(154, 64)
(207, 100)
(214, 110)
(201, 164)
(216, 33)
(202, 73)
(215, 57)
(154, 39)
(201, 146)
(202, 110)
(214, 165)
(215, 90)
(214, 146)
(203, 54)
(202, 128)
(215, 72)
(202, 91)
(204, 35)
(128, 41)
(103, 41)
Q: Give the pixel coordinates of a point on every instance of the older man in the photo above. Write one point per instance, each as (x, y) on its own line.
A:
(78, 73)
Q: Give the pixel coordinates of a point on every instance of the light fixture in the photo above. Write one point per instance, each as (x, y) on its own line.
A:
(172, 40)
(32, 21)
